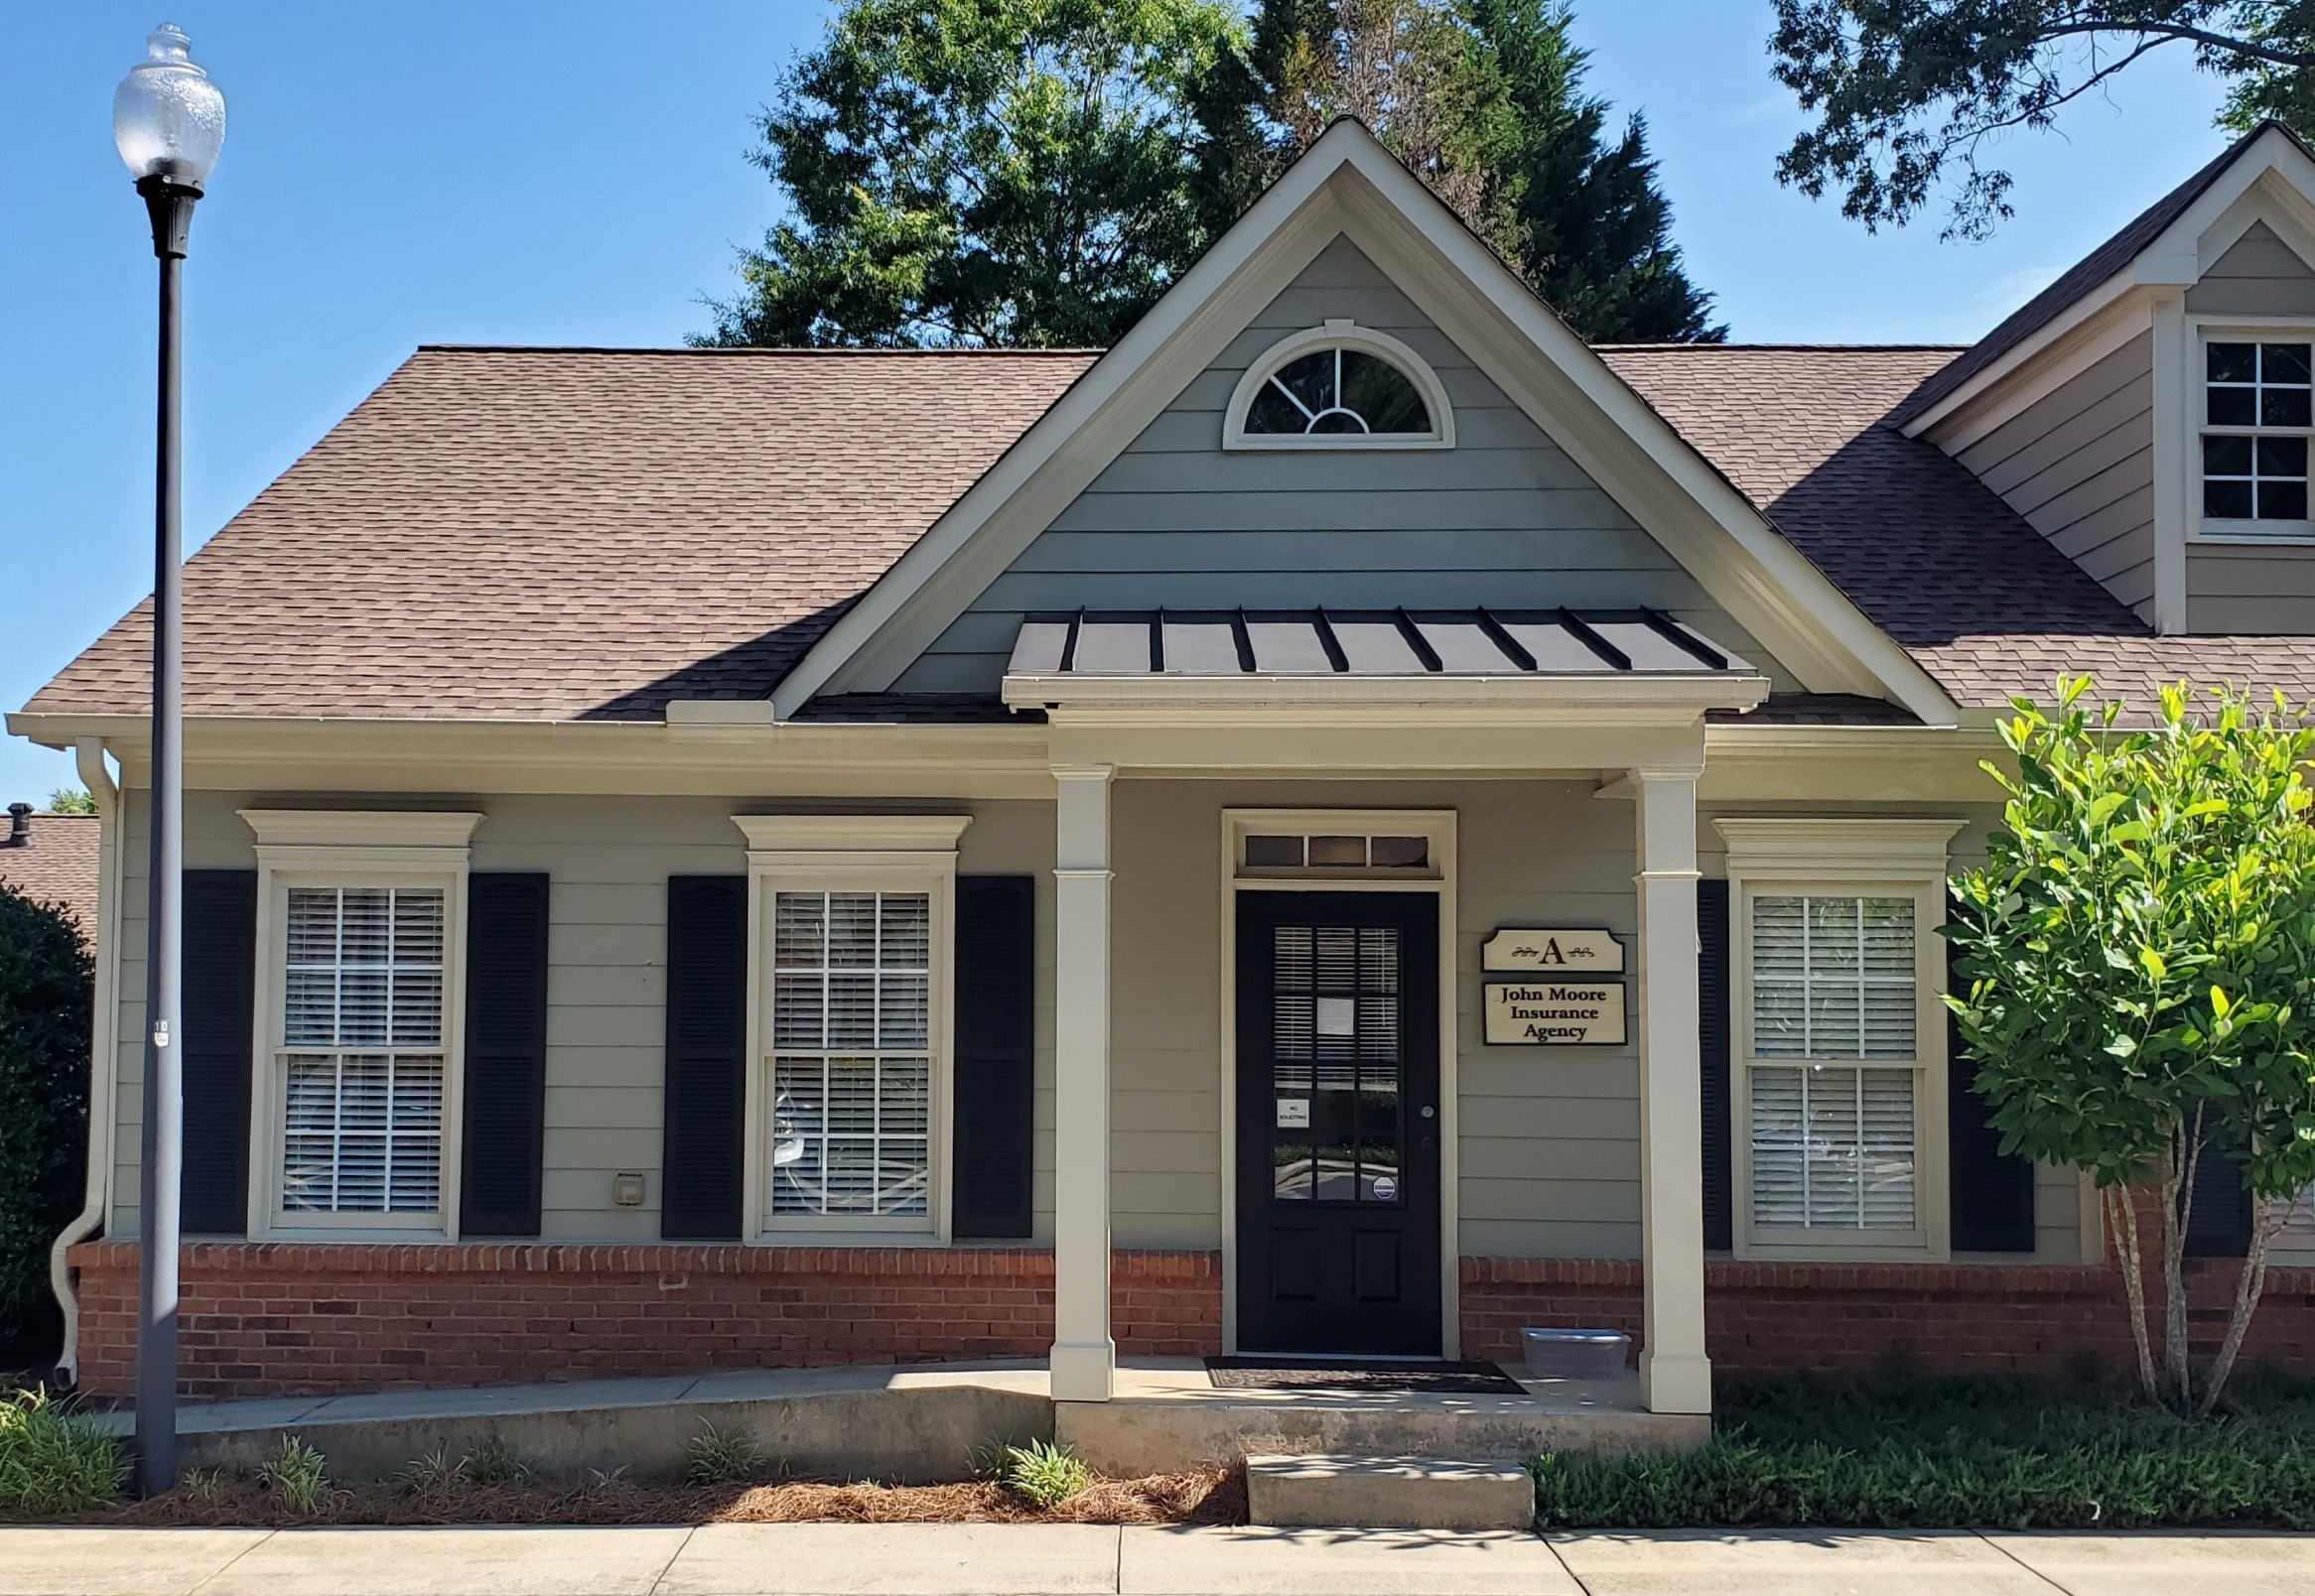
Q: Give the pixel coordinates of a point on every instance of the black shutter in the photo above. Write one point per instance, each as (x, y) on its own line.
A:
(995, 1043)
(2218, 1221)
(220, 984)
(707, 1024)
(505, 1080)
(1713, 1007)
(1992, 1192)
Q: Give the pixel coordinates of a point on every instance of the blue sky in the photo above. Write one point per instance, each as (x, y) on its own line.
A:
(438, 170)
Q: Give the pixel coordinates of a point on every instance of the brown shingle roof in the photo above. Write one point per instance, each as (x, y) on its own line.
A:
(1932, 556)
(587, 533)
(563, 534)
(58, 866)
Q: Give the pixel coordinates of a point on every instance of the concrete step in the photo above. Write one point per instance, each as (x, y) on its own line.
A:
(1332, 1491)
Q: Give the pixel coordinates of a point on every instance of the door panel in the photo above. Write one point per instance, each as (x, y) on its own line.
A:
(1338, 1122)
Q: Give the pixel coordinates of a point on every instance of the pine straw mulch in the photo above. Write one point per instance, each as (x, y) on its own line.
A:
(1203, 1496)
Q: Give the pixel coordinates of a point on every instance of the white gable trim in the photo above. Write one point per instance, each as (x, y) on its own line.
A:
(2273, 164)
(1347, 183)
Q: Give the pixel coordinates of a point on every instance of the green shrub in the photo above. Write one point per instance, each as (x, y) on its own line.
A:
(1044, 1475)
(434, 1471)
(51, 1463)
(45, 994)
(298, 1474)
(721, 1457)
(493, 1462)
(1935, 1454)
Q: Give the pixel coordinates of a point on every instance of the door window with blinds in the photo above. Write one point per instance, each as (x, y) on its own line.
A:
(853, 1046)
(364, 1059)
(1335, 1020)
(1834, 1067)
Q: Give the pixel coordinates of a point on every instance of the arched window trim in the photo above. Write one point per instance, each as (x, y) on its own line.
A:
(1349, 335)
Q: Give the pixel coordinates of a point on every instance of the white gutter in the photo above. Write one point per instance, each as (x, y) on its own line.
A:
(104, 1020)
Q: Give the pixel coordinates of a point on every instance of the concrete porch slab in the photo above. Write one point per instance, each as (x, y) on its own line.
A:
(1168, 1417)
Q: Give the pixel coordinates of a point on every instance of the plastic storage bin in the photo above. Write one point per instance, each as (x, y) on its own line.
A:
(1576, 1354)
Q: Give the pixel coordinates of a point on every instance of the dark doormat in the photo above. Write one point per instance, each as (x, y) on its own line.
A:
(1470, 1377)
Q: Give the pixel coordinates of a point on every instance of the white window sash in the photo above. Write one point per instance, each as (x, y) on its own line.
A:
(329, 867)
(2239, 529)
(1928, 1236)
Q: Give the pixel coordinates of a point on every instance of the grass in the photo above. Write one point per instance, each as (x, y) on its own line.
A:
(50, 1463)
(1043, 1474)
(298, 1475)
(721, 1457)
(1956, 1452)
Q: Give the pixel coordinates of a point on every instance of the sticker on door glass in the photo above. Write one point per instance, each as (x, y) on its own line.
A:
(1385, 1188)
(1294, 1114)
(1337, 1016)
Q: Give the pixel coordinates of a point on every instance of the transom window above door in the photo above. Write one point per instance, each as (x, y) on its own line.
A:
(1339, 386)
(2259, 412)
(1344, 845)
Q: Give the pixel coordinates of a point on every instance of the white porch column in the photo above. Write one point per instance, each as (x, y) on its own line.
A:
(1675, 1376)
(1085, 1361)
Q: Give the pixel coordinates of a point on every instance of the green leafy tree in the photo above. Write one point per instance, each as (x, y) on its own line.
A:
(981, 171)
(45, 996)
(1909, 95)
(2140, 951)
(72, 801)
(1484, 99)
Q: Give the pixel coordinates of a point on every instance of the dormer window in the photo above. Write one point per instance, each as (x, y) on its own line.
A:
(1339, 386)
(2258, 412)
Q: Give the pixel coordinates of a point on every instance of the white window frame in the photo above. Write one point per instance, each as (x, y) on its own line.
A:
(2203, 331)
(1346, 335)
(851, 854)
(302, 848)
(1824, 856)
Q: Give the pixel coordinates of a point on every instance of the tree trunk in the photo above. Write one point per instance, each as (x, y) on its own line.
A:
(2250, 1286)
(2119, 1201)
(2178, 1198)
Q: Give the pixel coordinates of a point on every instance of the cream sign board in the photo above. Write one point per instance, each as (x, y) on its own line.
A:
(1554, 1014)
(1553, 950)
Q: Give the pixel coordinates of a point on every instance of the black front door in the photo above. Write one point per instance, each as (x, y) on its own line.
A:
(1338, 1122)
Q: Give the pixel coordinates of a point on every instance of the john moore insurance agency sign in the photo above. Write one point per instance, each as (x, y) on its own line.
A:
(1547, 1009)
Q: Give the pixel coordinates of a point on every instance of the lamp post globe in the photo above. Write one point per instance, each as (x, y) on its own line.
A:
(169, 123)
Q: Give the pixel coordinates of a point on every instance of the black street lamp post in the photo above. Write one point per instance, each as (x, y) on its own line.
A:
(168, 122)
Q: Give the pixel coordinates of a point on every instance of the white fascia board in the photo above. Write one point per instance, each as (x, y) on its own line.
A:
(1348, 183)
(2174, 259)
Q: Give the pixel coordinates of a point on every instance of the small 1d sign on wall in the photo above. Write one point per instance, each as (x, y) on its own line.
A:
(1553, 950)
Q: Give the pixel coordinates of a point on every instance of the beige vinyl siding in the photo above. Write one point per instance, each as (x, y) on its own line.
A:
(2251, 588)
(609, 859)
(2079, 464)
(1504, 518)
(2259, 275)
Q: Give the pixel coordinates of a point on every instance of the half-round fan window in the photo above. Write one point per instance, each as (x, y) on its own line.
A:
(1338, 387)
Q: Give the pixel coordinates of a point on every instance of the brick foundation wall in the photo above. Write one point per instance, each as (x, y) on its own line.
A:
(295, 1319)
(2041, 1318)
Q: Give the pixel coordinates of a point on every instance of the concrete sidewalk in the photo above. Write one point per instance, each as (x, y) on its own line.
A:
(831, 1559)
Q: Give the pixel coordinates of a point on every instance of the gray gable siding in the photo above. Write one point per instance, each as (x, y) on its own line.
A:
(1504, 518)
(2259, 276)
(2079, 464)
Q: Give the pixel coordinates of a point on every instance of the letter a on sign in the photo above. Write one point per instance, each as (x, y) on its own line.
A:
(1555, 950)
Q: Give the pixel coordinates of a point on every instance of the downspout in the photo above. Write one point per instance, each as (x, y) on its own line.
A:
(103, 1059)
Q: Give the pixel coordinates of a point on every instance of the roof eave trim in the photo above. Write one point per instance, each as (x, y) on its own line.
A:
(1687, 694)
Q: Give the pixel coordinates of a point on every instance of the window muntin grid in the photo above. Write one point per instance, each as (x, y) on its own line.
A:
(1834, 1135)
(2259, 411)
(1338, 1054)
(362, 1060)
(1339, 390)
(851, 1057)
